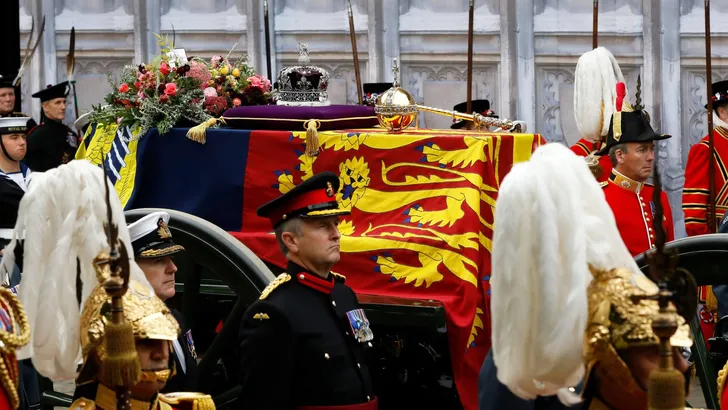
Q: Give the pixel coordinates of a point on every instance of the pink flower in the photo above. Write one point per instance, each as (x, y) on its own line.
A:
(236, 102)
(138, 84)
(124, 88)
(170, 89)
(215, 61)
(118, 121)
(259, 82)
(164, 68)
(163, 98)
(199, 72)
(140, 95)
(210, 92)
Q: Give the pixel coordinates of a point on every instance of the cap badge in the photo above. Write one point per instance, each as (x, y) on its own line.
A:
(163, 230)
(329, 189)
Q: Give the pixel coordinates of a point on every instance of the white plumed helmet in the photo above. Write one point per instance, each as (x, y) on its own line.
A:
(551, 222)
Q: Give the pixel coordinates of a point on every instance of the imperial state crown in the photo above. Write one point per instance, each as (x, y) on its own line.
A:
(303, 84)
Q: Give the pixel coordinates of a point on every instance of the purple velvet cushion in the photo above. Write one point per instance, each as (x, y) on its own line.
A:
(287, 118)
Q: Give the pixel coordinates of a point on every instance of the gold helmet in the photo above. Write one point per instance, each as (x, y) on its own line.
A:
(149, 317)
(620, 318)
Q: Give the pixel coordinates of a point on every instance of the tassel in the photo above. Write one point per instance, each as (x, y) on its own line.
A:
(198, 132)
(666, 389)
(121, 365)
(312, 140)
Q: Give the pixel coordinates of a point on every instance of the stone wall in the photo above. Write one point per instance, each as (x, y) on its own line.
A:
(524, 60)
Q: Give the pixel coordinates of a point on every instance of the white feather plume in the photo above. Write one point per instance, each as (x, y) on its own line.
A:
(62, 216)
(551, 222)
(595, 92)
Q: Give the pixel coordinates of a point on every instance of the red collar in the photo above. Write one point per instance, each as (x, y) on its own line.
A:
(315, 282)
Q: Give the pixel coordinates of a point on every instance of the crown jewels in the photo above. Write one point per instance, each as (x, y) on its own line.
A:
(303, 84)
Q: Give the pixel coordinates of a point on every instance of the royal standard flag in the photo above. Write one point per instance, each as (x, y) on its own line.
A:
(421, 220)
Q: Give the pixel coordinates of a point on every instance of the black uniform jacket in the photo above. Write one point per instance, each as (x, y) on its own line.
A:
(297, 346)
(50, 145)
(184, 380)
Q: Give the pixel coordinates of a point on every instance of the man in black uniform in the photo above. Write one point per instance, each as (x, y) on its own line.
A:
(153, 250)
(302, 344)
(8, 100)
(51, 143)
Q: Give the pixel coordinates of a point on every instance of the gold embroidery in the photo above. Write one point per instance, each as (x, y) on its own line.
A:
(194, 401)
(106, 400)
(261, 316)
(281, 279)
(339, 276)
(624, 182)
(151, 253)
(721, 381)
(163, 230)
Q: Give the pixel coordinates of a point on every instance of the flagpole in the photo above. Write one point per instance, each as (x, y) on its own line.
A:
(267, 39)
(357, 74)
(471, 14)
(595, 25)
(712, 215)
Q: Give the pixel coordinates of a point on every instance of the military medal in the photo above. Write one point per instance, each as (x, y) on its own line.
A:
(191, 344)
(359, 325)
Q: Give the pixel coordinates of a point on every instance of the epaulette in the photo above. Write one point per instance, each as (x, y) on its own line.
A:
(721, 381)
(341, 278)
(604, 184)
(83, 404)
(188, 401)
(281, 279)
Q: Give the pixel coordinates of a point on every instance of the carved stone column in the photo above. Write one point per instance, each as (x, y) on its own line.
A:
(383, 36)
(671, 149)
(508, 82)
(526, 66)
(256, 36)
(147, 21)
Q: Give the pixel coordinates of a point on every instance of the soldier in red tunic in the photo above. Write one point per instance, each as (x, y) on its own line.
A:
(630, 145)
(696, 193)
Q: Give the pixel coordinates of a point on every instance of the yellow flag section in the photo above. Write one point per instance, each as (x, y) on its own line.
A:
(118, 147)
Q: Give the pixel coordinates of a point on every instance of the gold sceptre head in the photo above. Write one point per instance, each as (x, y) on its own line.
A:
(120, 369)
(396, 110)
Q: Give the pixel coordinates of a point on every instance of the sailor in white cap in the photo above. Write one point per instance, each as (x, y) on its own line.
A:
(13, 173)
(153, 251)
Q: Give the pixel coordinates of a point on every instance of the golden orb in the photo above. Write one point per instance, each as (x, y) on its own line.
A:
(396, 109)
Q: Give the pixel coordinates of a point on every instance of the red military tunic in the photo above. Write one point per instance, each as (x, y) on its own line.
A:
(633, 209)
(584, 147)
(696, 193)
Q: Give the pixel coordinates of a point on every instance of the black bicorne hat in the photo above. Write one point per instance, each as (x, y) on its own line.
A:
(151, 238)
(630, 126)
(314, 197)
(479, 106)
